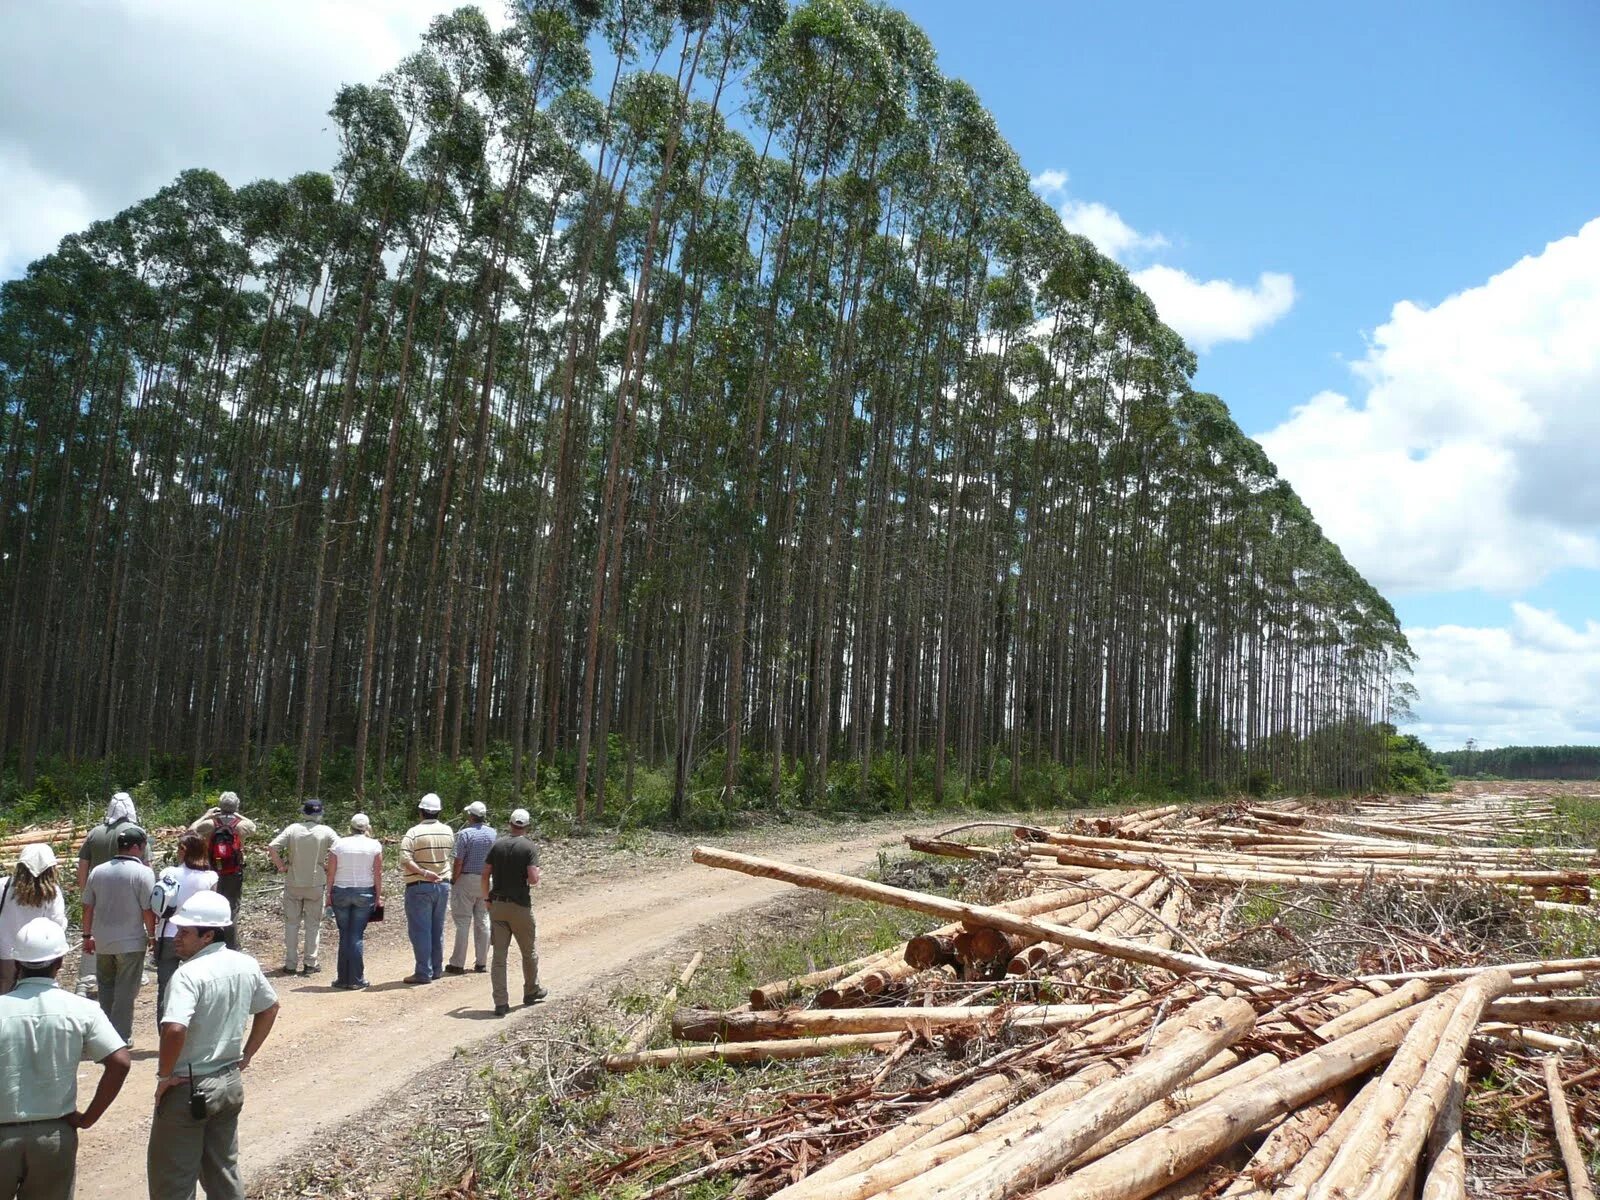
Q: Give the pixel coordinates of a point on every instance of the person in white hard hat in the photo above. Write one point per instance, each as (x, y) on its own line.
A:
(213, 995)
(468, 904)
(355, 889)
(509, 875)
(425, 854)
(33, 891)
(45, 1032)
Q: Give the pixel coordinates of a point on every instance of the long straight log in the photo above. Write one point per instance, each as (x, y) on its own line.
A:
(696, 1026)
(1284, 1147)
(916, 1176)
(1310, 1168)
(1572, 1157)
(747, 1052)
(1518, 1009)
(647, 1027)
(1188, 1142)
(879, 1165)
(1447, 1156)
(1538, 966)
(1037, 1154)
(1396, 1161)
(861, 889)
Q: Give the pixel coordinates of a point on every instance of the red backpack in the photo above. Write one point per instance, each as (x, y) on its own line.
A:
(227, 850)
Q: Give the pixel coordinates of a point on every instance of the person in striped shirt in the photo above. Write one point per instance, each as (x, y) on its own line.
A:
(426, 852)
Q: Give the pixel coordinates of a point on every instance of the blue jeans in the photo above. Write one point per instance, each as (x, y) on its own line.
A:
(426, 906)
(351, 908)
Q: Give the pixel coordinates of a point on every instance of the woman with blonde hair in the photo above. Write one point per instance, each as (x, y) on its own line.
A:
(33, 891)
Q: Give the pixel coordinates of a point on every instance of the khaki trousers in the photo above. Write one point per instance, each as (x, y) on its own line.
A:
(120, 977)
(185, 1149)
(302, 910)
(470, 912)
(507, 921)
(38, 1160)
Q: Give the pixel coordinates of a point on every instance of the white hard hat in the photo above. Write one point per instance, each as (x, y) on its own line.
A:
(204, 910)
(38, 858)
(38, 942)
(362, 822)
(520, 818)
(430, 803)
(476, 809)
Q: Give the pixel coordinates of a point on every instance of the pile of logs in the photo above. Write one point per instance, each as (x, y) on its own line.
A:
(63, 837)
(1113, 1058)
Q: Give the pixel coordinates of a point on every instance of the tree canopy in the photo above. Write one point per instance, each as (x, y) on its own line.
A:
(699, 383)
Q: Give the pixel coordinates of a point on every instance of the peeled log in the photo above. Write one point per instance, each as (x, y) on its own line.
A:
(955, 910)
(1309, 1169)
(696, 1026)
(1447, 1166)
(1039, 1153)
(1284, 1147)
(1381, 1175)
(1185, 1144)
(1572, 1159)
(746, 1052)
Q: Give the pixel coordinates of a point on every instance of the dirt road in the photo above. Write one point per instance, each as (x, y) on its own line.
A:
(333, 1054)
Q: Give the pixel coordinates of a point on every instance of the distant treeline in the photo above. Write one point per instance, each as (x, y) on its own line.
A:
(1525, 762)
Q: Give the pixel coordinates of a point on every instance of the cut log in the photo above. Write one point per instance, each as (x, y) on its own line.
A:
(1392, 1168)
(1285, 1146)
(1572, 1157)
(1190, 1141)
(1039, 1153)
(695, 1026)
(1447, 1157)
(647, 1027)
(862, 889)
(748, 1052)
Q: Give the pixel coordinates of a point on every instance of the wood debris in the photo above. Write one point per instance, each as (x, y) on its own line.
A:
(1104, 1046)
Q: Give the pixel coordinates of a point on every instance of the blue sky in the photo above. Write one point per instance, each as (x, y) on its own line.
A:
(1380, 225)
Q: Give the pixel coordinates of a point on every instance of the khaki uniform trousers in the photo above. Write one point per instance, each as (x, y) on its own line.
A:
(302, 909)
(507, 921)
(38, 1160)
(185, 1149)
(471, 912)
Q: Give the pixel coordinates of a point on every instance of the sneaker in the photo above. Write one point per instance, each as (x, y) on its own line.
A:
(501, 1010)
(534, 996)
(341, 985)
(416, 979)
(288, 970)
(480, 968)
(310, 970)
(359, 985)
(452, 969)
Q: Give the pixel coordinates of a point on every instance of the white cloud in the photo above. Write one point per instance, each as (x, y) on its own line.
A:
(1203, 311)
(1209, 311)
(1049, 183)
(1107, 230)
(104, 101)
(1535, 682)
(1471, 460)
(36, 211)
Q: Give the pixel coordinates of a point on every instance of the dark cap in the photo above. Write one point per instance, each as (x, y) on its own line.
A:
(130, 835)
(312, 808)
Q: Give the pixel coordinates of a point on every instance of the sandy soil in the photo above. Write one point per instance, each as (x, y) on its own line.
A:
(333, 1054)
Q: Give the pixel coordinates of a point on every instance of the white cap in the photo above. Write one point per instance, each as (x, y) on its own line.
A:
(120, 809)
(520, 818)
(206, 910)
(476, 809)
(38, 858)
(362, 822)
(38, 942)
(430, 803)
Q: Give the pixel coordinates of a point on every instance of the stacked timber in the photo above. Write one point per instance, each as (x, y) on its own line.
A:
(1113, 1057)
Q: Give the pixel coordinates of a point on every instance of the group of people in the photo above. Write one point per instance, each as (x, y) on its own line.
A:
(185, 918)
